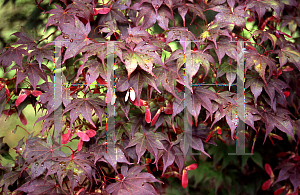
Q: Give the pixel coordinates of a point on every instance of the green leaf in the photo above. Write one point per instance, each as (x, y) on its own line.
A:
(244, 160)
(257, 158)
(7, 156)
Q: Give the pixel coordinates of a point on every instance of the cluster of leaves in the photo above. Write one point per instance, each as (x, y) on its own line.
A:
(153, 57)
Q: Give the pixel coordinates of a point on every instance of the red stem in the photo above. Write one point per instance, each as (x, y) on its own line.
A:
(71, 150)
(23, 128)
(38, 5)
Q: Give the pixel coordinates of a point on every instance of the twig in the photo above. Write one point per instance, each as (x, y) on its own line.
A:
(23, 128)
(47, 36)
(38, 5)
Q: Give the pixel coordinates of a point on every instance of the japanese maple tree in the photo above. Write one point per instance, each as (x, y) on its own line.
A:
(127, 71)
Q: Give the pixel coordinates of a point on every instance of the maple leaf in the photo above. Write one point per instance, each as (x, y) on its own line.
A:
(256, 85)
(251, 114)
(166, 78)
(163, 15)
(169, 3)
(178, 105)
(292, 21)
(81, 8)
(122, 83)
(48, 122)
(151, 14)
(125, 106)
(13, 54)
(264, 35)
(232, 109)
(195, 8)
(225, 47)
(39, 153)
(110, 153)
(9, 179)
(289, 53)
(278, 86)
(110, 28)
(143, 55)
(137, 80)
(281, 120)
(157, 4)
(100, 49)
(291, 171)
(20, 76)
(40, 186)
(260, 63)
(197, 58)
(74, 37)
(61, 17)
(262, 6)
(230, 15)
(95, 69)
(137, 120)
(133, 182)
(147, 12)
(27, 37)
(213, 33)
(85, 106)
(196, 135)
(41, 53)
(136, 35)
(159, 118)
(148, 141)
(201, 97)
(74, 167)
(229, 70)
(48, 96)
(115, 13)
(171, 155)
(34, 73)
(182, 34)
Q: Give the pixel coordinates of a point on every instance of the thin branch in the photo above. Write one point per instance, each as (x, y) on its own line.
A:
(47, 36)
(38, 5)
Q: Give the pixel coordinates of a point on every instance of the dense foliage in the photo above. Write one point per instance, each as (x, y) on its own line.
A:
(128, 116)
